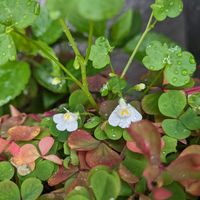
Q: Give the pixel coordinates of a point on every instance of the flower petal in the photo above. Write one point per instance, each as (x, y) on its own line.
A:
(125, 123)
(72, 126)
(61, 126)
(114, 119)
(135, 115)
(58, 118)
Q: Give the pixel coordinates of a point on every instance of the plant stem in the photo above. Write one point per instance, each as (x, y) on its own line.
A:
(148, 28)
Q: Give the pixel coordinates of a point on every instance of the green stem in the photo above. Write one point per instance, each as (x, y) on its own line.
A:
(70, 37)
(148, 28)
(83, 63)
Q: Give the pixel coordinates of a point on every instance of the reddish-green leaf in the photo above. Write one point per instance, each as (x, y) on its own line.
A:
(161, 194)
(45, 145)
(102, 155)
(54, 159)
(81, 140)
(23, 133)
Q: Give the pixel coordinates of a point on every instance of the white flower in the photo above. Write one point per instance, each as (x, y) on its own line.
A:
(123, 115)
(67, 121)
(56, 81)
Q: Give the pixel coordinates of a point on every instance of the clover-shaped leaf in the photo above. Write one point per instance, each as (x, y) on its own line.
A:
(172, 103)
(167, 8)
(99, 54)
(179, 65)
(156, 56)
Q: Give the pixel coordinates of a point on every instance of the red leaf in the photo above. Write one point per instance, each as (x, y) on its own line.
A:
(23, 133)
(147, 139)
(54, 159)
(185, 167)
(102, 155)
(107, 107)
(13, 149)
(192, 187)
(82, 161)
(45, 145)
(96, 82)
(81, 140)
(61, 175)
(14, 112)
(131, 145)
(192, 149)
(161, 194)
(27, 154)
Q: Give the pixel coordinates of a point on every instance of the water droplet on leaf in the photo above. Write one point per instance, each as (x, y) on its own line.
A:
(37, 9)
(174, 80)
(192, 61)
(184, 72)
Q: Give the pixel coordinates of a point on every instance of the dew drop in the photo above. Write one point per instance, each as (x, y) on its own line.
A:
(171, 3)
(192, 61)
(167, 10)
(179, 54)
(179, 62)
(24, 16)
(176, 71)
(3, 54)
(9, 46)
(184, 72)
(151, 68)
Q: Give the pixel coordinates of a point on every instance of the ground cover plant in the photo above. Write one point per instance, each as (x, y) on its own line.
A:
(72, 127)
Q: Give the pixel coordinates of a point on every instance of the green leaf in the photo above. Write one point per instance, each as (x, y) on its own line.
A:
(167, 8)
(156, 54)
(20, 13)
(44, 169)
(150, 103)
(31, 189)
(76, 98)
(99, 54)
(190, 119)
(122, 27)
(174, 128)
(151, 36)
(194, 101)
(9, 191)
(79, 193)
(7, 46)
(10, 74)
(43, 72)
(113, 133)
(92, 122)
(170, 145)
(177, 191)
(172, 103)
(116, 85)
(97, 10)
(105, 185)
(6, 170)
(99, 133)
(180, 70)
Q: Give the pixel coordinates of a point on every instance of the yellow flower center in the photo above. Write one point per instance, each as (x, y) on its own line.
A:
(124, 112)
(67, 116)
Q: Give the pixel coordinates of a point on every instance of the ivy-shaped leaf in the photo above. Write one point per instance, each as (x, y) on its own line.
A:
(99, 54)
(179, 65)
(194, 101)
(167, 8)
(13, 78)
(18, 13)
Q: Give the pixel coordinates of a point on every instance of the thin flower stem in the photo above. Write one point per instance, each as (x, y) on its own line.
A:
(148, 28)
(83, 63)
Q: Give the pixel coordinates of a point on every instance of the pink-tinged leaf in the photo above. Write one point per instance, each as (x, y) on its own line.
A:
(3, 144)
(61, 175)
(27, 154)
(13, 149)
(185, 167)
(3, 119)
(14, 112)
(126, 175)
(131, 145)
(192, 149)
(81, 140)
(192, 187)
(49, 113)
(45, 145)
(147, 139)
(96, 82)
(35, 117)
(26, 169)
(23, 133)
(161, 194)
(102, 155)
(82, 162)
(54, 159)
